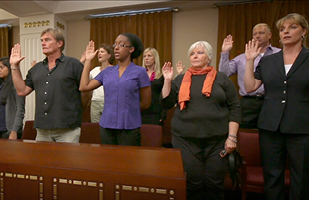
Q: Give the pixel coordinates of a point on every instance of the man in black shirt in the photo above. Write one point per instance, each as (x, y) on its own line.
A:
(56, 82)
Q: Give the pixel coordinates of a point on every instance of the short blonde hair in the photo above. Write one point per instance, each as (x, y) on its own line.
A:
(262, 24)
(155, 54)
(207, 47)
(299, 19)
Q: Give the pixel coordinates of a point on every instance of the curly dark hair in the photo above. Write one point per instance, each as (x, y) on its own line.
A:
(136, 43)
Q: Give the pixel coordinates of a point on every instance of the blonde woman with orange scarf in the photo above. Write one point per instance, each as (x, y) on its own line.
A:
(205, 122)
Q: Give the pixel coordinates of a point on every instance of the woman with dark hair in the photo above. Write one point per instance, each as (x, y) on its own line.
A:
(14, 104)
(3, 130)
(126, 89)
(106, 58)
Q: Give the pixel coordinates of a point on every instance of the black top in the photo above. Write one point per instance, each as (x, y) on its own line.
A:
(2, 113)
(155, 111)
(57, 95)
(203, 116)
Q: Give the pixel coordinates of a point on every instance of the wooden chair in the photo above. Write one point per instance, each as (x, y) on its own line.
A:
(29, 132)
(90, 133)
(252, 172)
(151, 135)
(167, 134)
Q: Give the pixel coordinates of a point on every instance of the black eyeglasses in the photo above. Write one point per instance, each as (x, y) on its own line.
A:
(120, 45)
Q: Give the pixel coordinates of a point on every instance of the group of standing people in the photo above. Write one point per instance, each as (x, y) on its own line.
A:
(208, 111)
(274, 87)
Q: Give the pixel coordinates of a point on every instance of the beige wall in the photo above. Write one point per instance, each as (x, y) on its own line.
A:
(16, 37)
(78, 37)
(192, 26)
(189, 26)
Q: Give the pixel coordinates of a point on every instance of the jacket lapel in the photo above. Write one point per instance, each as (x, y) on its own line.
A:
(304, 53)
(279, 62)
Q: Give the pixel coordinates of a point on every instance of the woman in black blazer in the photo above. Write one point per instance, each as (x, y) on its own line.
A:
(284, 119)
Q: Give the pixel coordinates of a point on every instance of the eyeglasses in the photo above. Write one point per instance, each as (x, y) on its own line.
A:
(120, 45)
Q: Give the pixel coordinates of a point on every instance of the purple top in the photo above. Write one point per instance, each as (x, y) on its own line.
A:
(122, 96)
(238, 66)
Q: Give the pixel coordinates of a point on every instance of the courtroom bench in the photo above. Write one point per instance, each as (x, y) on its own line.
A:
(65, 171)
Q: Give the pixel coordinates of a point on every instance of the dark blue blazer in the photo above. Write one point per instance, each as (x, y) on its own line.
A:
(286, 103)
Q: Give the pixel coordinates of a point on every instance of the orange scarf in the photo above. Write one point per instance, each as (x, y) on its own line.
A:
(185, 87)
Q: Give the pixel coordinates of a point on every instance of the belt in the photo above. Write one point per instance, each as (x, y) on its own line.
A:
(257, 97)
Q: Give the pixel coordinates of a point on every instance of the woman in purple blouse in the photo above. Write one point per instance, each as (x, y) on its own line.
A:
(126, 88)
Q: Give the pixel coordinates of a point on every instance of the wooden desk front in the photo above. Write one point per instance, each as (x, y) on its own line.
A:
(32, 170)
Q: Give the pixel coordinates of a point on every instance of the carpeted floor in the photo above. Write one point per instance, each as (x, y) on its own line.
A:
(236, 195)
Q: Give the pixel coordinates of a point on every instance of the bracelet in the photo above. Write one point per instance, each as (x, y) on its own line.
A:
(235, 136)
(17, 68)
(234, 140)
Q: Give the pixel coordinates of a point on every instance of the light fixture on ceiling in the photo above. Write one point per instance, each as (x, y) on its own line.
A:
(132, 12)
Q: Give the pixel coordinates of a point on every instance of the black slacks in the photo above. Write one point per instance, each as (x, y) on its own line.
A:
(276, 147)
(250, 110)
(204, 167)
(125, 137)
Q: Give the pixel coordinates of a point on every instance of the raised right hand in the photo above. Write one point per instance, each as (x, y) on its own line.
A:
(179, 67)
(252, 50)
(90, 51)
(15, 57)
(227, 43)
(167, 71)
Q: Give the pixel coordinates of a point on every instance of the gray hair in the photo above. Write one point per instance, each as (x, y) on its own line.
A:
(207, 47)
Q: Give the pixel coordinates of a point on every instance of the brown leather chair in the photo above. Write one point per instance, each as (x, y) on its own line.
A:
(151, 135)
(90, 133)
(167, 134)
(252, 172)
(29, 133)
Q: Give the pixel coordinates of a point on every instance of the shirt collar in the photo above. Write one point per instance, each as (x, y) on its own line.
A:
(131, 64)
(270, 47)
(61, 59)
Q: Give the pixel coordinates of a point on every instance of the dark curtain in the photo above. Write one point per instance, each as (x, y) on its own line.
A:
(5, 41)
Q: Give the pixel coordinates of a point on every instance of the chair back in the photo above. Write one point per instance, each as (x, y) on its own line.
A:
(151, 135)
(249, 147)
(90, 133)
(29, 133)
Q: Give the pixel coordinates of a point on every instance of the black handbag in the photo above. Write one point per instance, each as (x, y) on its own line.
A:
(235, 163)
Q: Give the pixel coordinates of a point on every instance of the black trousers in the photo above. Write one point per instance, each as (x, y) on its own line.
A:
(275, 148)
(4, 134)
(250, 110)
(121, 136)
(205, 169)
